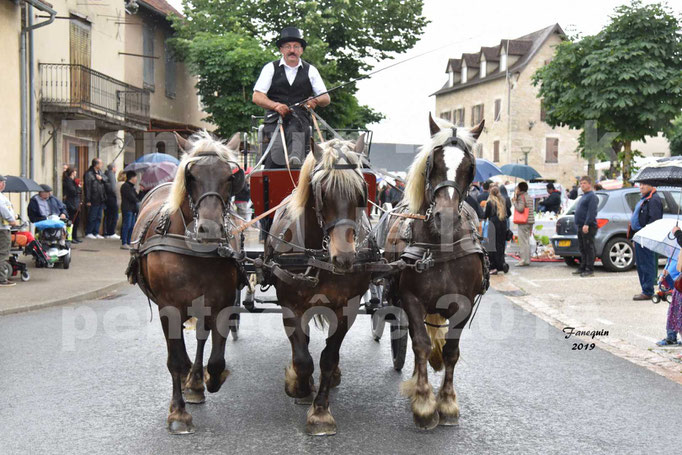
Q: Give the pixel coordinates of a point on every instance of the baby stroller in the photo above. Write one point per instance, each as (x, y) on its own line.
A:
(666, 283)
(52, 247)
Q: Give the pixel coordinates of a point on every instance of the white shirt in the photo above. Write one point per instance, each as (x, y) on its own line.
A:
(265, 79)
(6, 213)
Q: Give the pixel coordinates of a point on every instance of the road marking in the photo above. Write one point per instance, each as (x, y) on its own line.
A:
(604, 321)
(529, 282)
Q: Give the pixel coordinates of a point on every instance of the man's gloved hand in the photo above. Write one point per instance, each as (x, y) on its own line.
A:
(282, 109)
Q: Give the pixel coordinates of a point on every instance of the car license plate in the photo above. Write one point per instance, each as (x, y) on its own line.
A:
(564, 243)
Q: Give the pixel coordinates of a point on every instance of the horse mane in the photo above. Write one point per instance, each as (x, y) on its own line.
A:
(416, 175)
(201, 143)
(343, 183)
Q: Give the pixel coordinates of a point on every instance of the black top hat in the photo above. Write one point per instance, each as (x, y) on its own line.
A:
(291, 34)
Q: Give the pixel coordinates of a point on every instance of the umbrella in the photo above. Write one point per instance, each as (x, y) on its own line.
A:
(522, 171)
(657, 238)
(145, 161)
(611, 184)
(158, 173)
(485, 169)
(664, 172)
(20, 185)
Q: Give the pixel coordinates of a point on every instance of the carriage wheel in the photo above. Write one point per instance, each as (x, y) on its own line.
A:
(235, 318)
(399, 341)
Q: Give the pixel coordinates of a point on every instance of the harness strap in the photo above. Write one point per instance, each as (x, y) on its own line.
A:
(286, 154)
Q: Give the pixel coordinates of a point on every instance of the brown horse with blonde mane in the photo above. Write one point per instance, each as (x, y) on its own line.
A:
(438, 301)
(185, 259)
(326, 214)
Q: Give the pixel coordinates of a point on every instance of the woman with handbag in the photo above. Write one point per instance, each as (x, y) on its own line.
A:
(496, 213)
(524, 218)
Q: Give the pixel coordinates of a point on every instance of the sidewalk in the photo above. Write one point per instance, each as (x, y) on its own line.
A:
(97, 270)
(599, 303)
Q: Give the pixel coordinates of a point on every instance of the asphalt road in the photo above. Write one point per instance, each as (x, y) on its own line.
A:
(94, 388)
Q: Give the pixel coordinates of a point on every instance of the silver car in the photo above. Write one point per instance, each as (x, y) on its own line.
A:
(613, 215)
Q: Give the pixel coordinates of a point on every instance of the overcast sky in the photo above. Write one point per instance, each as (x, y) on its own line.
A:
(402, 93)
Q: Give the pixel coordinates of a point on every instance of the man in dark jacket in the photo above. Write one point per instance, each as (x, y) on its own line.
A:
(551, 203)
(111, 204)
(129, 208)
(95, 196)
(648, 209)
(586, 221)
(44, 204)
(483, 195)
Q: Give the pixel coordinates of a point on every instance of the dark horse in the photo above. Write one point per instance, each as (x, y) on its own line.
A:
(326, 214)
(437, 185)
(185, 255)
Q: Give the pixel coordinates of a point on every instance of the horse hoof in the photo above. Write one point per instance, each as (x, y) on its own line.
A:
(177, 427)
(305, 400)
(320, 422)
(428, 422)
(213, 384)
(194, 396)
(448, 420)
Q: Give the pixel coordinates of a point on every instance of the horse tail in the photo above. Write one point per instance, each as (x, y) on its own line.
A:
(436, 327)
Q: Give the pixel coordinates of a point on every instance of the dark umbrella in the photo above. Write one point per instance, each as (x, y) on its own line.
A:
(664, 172)
(522, 171)
(485, 169)
(20, 185)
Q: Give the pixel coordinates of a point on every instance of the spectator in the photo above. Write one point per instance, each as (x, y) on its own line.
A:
(72, 200)
(395, 193)
(95, 196)
(673, 324)
(44, 204)
(7, 220)
(523, 201)
(648, 209)
(111, 204)
(496, 212)
(573, 194)
(483, 195)
(129, 207)
(551, 203)
(586, 221)
(475, 205)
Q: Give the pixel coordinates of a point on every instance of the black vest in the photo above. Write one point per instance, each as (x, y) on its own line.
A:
(280, 90)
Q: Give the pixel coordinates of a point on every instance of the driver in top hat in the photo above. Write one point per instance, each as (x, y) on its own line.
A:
(282, 83)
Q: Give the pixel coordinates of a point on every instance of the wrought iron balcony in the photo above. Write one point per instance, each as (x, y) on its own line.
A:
(76, 88)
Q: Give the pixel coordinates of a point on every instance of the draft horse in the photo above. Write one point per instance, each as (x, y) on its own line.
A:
(185, 254)
(324, 215)
(437, 185)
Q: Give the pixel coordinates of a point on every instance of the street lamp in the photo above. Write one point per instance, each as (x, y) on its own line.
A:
(526, 150)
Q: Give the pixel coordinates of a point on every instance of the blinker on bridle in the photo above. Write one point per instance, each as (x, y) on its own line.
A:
(453, 141)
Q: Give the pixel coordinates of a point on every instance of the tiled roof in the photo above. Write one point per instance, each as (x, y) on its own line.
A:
(160, 6)
(454, 63)
(525, 47)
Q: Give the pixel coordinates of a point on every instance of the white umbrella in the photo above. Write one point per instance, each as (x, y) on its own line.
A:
(657, 237)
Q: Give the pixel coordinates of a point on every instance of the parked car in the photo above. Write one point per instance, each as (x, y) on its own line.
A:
(613, 216)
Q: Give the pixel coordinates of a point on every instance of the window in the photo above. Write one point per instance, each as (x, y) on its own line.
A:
(148, 51)
(459, 117)
(476, 114)
(543, 112)
(551, 150)
(498, 109)
(496, 152)
(170, 71)
(446, 115)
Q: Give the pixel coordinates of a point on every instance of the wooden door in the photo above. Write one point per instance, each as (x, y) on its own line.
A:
(80, 57)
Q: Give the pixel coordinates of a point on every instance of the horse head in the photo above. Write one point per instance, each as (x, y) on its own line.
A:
(208, 176)
(439, 180)
(331, 179)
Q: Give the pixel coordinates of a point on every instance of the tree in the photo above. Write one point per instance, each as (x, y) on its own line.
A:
(344, 39)
(674, 135)
(627, 78)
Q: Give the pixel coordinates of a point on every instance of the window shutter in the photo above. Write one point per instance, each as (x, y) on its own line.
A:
(498, 108)
(551, 150)
(148, 49)
(461, 120)
(543, 111)
(170, 71)
(481, 115)
(473, 114)
(496, 151)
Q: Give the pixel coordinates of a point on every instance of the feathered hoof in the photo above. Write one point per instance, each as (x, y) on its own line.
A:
(180, 423)
(426, 422)
(213, 384)
(194, 396)
(448, 410)
(320, 422)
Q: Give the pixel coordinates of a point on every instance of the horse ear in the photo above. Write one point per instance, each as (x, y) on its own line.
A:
(182, 142)
(235, 141)
(317, 151)
(478, 129)
(433, 126)
(360, 144)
